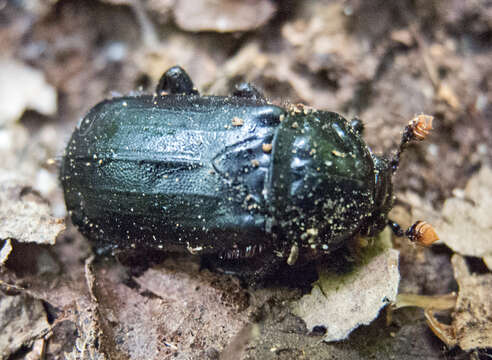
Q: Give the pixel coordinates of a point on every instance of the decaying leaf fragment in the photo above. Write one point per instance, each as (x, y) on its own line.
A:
(87, 344)
(22, 320)
(471, 325)
(21, 88)
(5, 251)
(91, 342)
(194, 300)
(466, 224)
(222, 15)
(341, 303)
(24, 215)
(472, 319)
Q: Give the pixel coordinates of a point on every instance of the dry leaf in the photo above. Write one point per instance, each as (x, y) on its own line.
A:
(22, 88)
(88, 343)
(466, 224)
(187, 312)
(222, 15)
(22, 320)
(471, 325)
(24, 215)
(5, 252)
(341, 303)
(473, 314)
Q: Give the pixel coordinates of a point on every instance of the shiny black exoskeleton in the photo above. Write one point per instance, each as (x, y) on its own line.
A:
(233, 176)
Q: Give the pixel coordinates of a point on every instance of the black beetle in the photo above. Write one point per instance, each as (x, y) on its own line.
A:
(230, 176)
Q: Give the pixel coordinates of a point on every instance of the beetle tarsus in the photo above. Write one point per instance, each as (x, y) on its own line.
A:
(176, 81)
(247, 90)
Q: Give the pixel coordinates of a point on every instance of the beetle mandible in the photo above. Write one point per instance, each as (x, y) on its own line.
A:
(232, 176)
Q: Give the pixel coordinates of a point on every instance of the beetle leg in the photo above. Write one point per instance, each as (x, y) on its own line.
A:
(176, 81)
(357, 125)
(270, 265)
(247, 90)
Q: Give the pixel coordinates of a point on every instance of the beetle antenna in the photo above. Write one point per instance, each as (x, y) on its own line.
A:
(417, 129)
